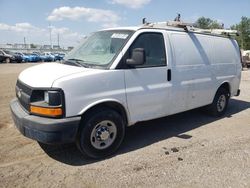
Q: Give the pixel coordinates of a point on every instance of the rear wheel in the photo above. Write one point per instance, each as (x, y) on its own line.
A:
(101, 133)
(220, 102)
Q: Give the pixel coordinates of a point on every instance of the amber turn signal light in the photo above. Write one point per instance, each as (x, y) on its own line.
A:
(52, 112)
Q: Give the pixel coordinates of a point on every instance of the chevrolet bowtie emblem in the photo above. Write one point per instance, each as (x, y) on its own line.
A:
(19, 93)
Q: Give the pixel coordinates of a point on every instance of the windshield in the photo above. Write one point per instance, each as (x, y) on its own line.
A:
(99, 49)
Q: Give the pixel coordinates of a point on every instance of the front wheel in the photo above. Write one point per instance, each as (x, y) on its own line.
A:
(220, 102)
(101, 133)
(7, 60)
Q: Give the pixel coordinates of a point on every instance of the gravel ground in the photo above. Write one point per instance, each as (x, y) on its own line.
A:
(189, 149)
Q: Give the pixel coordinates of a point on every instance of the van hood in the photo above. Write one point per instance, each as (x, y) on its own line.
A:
(44, 75)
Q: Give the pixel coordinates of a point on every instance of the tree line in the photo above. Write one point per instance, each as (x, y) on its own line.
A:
(243, 27)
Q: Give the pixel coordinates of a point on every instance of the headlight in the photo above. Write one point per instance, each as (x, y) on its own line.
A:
(47, 103)
(53, 98)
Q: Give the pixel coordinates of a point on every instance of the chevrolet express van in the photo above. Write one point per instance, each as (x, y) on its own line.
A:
(118, 77)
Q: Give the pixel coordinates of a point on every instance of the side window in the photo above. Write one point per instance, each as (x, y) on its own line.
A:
(153, 44)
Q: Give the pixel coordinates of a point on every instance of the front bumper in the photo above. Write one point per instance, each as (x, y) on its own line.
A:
(45, 130)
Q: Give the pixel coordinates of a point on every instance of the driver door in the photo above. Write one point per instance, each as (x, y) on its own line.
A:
(147, 85)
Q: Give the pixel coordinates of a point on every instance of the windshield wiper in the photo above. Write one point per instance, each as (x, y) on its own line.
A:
(80, 63)
(73, 59)
(77, 62)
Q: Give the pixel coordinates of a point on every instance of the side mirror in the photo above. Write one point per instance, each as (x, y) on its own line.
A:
(138, 57)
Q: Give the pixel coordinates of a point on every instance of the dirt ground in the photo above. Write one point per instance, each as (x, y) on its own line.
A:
(190, 149)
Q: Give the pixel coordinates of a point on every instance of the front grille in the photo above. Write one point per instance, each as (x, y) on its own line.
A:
(23, 93)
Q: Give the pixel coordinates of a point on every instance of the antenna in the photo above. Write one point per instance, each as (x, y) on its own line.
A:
(144, 21)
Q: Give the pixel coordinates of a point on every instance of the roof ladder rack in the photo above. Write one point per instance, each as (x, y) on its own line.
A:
(189, 27)
(180, 24)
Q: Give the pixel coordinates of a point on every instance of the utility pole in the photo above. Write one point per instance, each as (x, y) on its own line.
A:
(58, 44)
(24, 41)
(50, 31)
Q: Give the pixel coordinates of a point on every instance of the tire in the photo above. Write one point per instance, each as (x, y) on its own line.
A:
(101, 133)
(220, 102)
(7, 60)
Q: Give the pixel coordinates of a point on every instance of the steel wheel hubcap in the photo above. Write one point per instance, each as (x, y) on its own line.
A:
(103, 134)
(221, 103)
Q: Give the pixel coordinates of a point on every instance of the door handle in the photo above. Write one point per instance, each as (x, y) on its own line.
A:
(169, 74)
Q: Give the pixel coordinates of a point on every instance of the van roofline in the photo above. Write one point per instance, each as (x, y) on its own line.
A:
(165, 29)
(136, 28)
(164, 26)
(130, 28)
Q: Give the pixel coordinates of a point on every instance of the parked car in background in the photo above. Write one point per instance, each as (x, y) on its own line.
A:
(47, 56)
(22, 55)
(36, 57)
(58, 56)
(246, 58)
(31, 57)
(17, 57)
(6, 56)
(10, 56)
(25, 56)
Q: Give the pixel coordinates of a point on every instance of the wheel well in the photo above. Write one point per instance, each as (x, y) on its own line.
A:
(111, 105)
(226, 86)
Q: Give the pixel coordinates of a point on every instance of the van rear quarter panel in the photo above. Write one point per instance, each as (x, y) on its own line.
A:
(226, 63)
(192, 77)
(201, 64)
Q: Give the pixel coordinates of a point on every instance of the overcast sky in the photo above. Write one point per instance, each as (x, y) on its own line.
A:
(72, 19)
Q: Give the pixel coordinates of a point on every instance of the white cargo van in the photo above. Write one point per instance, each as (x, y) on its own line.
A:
(121, 76)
